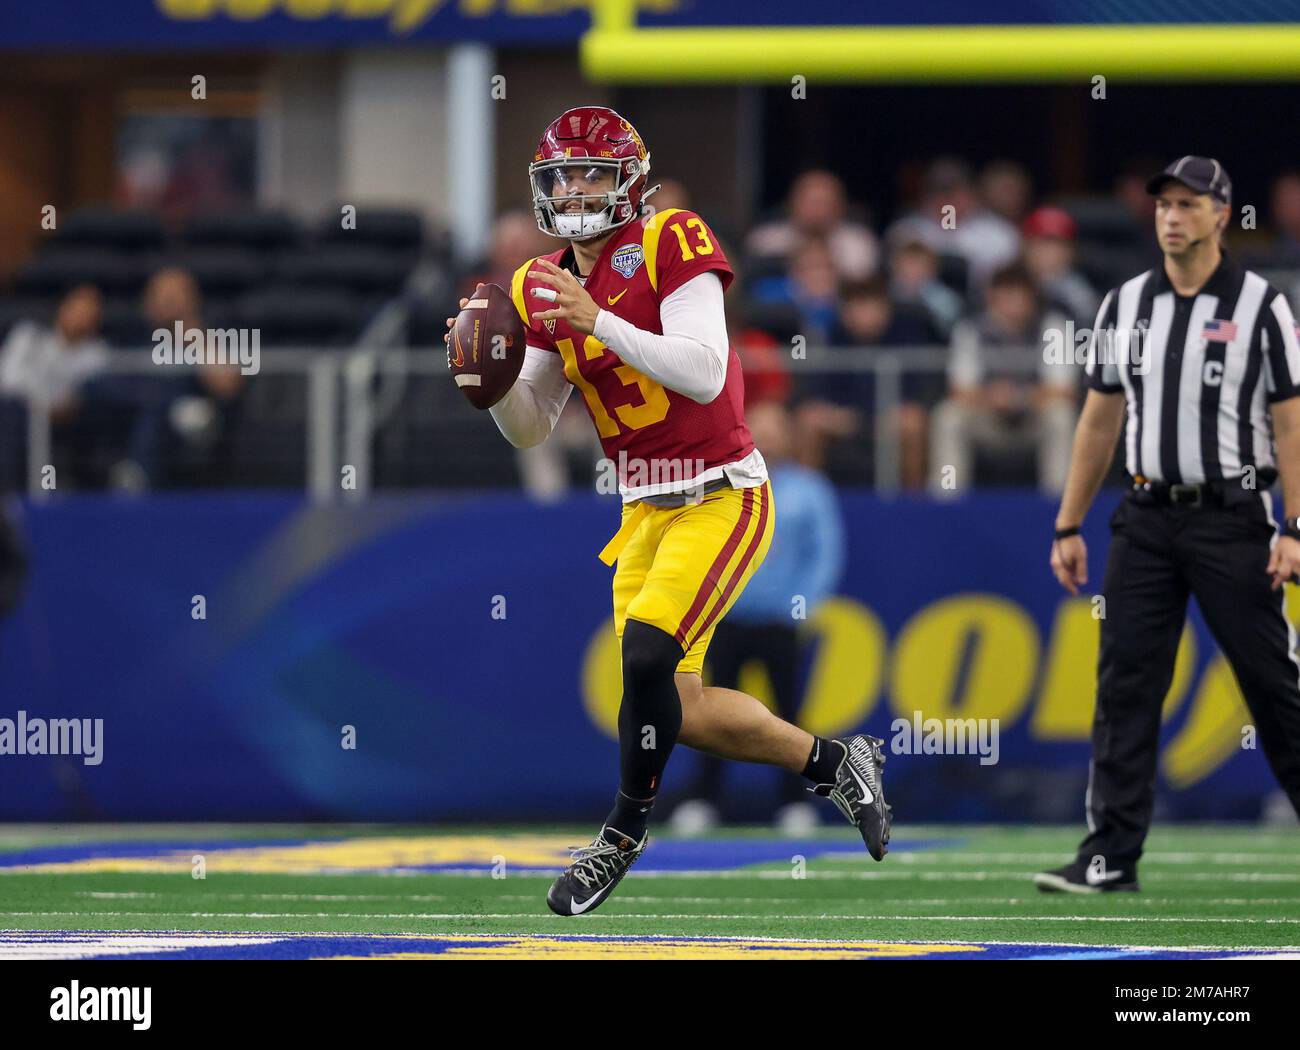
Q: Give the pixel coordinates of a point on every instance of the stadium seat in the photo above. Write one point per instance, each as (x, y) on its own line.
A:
(432, 416)
(57, 268)
(298, 317)
(224, 270)
(251, 229)
(362, 269)
(16, 310)
(111, 228)
(1100, 219)
(397, 229)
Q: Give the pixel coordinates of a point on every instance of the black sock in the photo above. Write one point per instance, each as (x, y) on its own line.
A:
(631, 816)
(823, 760)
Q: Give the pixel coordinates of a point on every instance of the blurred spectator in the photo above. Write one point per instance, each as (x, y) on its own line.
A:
(1130, 190)
(1006, 190)
(1285, 215)
(836, 409)
(803, 567)
(818, 209)
(199, 405)
(672, 193)
(1004, 408)
(810, 285)
(1049, 253)
(914, 281)
(952, 220)
(51, 364)
(763, 357)
(515, 238)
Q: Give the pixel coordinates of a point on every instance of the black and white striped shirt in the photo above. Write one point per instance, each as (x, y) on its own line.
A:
(1199, 373)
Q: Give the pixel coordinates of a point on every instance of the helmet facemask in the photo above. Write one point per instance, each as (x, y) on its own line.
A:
(548, 179)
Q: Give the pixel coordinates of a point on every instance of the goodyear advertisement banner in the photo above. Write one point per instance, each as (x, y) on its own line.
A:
(326, 23)
(432, 658)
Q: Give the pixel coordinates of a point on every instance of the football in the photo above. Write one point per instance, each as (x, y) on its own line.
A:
(486, 348)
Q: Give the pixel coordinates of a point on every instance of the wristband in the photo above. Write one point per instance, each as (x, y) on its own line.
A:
(1291, 527)
(1073, 530)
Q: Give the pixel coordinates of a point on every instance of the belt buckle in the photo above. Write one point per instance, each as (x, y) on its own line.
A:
(1195, 490)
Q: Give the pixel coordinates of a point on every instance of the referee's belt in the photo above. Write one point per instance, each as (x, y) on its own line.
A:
(647, 503)
(1225, 493)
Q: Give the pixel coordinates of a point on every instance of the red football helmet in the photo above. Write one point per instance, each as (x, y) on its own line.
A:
(607, 144)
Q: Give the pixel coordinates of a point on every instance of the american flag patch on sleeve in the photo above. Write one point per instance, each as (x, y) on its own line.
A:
(1219, 331)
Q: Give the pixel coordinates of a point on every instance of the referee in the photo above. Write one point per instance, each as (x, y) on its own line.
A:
(1202, 352)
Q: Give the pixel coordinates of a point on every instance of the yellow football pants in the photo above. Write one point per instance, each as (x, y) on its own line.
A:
(681, 568)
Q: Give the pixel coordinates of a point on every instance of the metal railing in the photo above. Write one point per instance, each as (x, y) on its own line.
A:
(350, 393)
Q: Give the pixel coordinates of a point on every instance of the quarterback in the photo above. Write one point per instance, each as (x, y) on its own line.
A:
(629, 311)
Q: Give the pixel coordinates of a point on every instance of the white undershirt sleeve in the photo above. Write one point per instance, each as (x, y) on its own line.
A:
(527, 414)
(691, 356)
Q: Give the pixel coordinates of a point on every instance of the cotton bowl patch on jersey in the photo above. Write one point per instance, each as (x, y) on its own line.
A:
(627, 259)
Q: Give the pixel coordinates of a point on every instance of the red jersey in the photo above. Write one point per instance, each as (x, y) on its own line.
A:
(638, 420)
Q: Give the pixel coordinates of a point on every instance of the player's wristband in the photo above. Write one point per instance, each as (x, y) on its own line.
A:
(1291, 527)
(1073, 530)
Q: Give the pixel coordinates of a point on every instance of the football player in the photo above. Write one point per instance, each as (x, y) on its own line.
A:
(629, 311)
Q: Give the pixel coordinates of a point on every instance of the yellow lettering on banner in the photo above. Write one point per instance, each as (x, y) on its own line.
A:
(187, 9)
(247, 10)
(364, 8)
(409, 14)
(929, 651)
(1067, 697)
(602, 679)
(1212, 733)
(308, 10)
(848, 668)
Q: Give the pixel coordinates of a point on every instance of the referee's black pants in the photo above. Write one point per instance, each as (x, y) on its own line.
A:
(1158, 555)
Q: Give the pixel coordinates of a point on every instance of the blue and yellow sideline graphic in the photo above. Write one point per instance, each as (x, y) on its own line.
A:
(275, 891)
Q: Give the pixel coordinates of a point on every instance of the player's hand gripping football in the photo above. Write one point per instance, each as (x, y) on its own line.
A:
(572, 303)
(451, 323)
(1070, 562)
(1284, 562)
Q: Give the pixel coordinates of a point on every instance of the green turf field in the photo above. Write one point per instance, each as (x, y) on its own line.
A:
(942, 890)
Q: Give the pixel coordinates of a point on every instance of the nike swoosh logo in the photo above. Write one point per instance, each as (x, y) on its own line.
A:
(1093, 879)
(867, 796)
(612, 299)
(577, 909)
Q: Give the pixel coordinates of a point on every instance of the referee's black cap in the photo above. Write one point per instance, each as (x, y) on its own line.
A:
(1202, 174)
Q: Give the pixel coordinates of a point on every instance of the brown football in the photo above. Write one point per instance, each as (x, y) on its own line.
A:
(486, 348)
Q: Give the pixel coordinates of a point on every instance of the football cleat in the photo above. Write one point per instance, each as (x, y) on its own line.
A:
(859, 791)
(1078, 877)
(594, 871)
